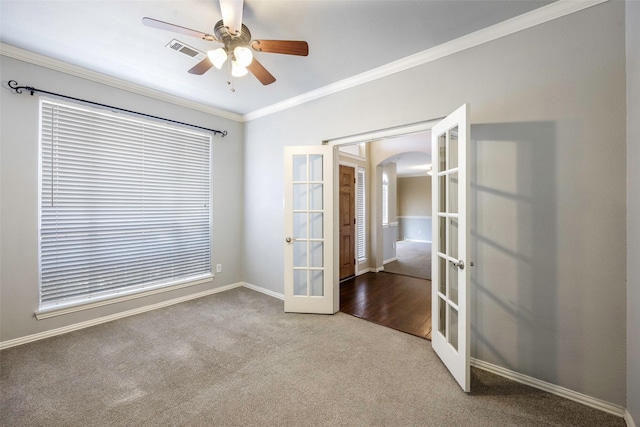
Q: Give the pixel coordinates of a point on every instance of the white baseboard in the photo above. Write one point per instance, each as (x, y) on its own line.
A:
(629, 419)
(111, 317)
(378, 269)
(552, 388)
(365, 270)
(263, 290)
(417, 241)
(387, 261)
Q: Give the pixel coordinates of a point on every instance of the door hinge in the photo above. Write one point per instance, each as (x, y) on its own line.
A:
(354, 220)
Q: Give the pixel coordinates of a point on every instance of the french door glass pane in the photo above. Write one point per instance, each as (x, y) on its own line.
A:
(316, 231)
(453, 148)
(442, 316)
(442, 240)
(453, 193)
(300, 225)
(316, 197)
(315, 167)
(453, 327)
(442, 280)
(300, 282)
(442, 197)
(316, 254)
(453, 238)
(299, 197)
(442, 146)
(300, 254)
(317, 280)
(453, 283)
(299, 167)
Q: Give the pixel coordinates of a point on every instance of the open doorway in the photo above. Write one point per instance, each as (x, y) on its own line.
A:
(391, 283)
(409, 240)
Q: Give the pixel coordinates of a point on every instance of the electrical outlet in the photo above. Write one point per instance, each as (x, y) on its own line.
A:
(218, 268)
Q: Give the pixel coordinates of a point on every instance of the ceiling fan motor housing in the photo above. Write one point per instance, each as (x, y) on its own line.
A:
(232, 41)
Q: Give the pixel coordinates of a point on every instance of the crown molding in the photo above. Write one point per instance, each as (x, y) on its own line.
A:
(53, 64)
(538, 16)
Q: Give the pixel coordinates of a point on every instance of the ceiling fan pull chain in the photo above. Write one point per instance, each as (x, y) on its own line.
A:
(230, 76)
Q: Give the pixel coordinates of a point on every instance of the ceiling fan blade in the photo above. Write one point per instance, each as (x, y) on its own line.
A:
(231, 11)
(201, 67)
(150, 22)
(261, 73)
(287, 47)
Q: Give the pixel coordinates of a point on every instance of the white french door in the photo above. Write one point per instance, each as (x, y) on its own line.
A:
(450, 254)
(309, 282)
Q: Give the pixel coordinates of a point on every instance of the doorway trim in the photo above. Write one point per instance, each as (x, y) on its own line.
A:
(386, 133)
(375, 135)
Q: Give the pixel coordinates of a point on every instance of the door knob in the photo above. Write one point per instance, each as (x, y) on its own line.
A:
(459, 264)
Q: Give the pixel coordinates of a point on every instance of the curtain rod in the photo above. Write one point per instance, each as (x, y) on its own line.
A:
(18, 89)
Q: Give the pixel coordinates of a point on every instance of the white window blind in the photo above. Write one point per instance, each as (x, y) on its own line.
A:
(360, 214)
(124, 204)
(385, 198)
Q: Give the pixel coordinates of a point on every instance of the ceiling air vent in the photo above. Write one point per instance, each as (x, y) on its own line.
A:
(191, 52)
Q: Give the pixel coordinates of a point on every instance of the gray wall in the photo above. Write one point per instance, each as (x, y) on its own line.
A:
(19, 194)
(418, 229)
(633, 209)
(548, 108)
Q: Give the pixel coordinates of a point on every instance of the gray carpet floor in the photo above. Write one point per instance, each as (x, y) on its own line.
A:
(413, 259)
(236, 359)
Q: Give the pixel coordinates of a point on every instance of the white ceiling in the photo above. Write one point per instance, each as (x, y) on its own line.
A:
(412, 163)
(345, 38)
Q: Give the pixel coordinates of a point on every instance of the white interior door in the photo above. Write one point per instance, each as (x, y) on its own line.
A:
(309, 231)
(450, 272)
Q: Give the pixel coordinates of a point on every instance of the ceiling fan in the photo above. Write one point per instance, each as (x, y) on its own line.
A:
(236, 42)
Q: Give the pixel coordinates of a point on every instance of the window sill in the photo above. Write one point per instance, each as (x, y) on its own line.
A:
(72, 307)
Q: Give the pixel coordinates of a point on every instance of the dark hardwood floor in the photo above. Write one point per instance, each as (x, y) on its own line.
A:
(392, 300)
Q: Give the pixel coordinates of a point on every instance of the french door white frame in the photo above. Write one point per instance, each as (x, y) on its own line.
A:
(450, 249)
(311, 247)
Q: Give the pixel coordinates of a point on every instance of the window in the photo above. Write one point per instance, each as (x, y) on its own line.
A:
(385, 198)
(125, 204)
(360, 215)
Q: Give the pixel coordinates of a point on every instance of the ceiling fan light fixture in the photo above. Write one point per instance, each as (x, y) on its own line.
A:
(217, 57)
(243, 55)
(238, 70)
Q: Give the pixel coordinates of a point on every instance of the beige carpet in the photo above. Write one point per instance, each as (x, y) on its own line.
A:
(236, 359)
(413, 259)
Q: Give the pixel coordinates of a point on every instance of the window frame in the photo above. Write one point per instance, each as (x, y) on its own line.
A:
(385, 198)
(361, 214)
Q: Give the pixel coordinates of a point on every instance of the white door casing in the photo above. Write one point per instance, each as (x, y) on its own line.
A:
(309, 282)
(450, 252)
